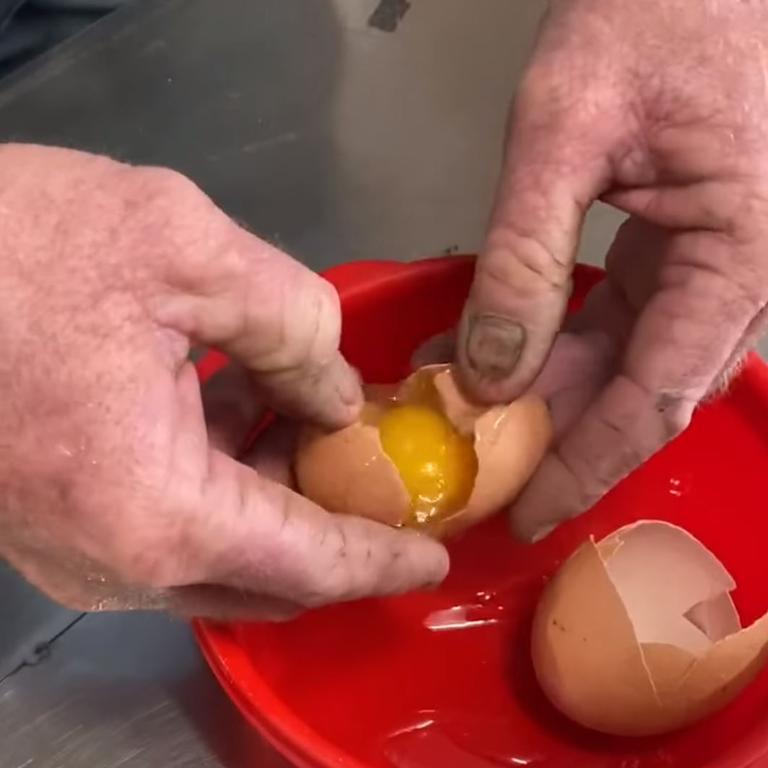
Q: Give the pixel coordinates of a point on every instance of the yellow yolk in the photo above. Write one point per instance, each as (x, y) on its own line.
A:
(436, 463)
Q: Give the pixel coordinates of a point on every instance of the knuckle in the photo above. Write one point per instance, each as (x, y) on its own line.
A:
(522, 264)
(330, 299)
(735, 294)
(170, 205)
(162, 184)
(545, 101)
(585, 485)
(541, 86)
(310, 332)
(675, 413)
(332, 584)
(325, 328)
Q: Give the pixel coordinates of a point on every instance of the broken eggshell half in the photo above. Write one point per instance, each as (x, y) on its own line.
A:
(348, 471)
(637, 635)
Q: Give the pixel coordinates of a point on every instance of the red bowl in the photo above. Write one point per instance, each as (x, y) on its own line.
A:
(371, 685)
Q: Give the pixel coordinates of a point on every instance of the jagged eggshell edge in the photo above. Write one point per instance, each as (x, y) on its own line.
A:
(695, 682)
(591, 666)
(373, 489)
(510, 442)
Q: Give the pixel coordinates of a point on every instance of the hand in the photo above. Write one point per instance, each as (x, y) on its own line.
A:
(113, 494)
(660, 109)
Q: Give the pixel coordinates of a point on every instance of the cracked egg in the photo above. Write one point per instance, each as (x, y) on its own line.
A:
(637, 634)
(421, 455)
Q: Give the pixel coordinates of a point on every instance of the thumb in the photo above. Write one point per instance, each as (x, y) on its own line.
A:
(553, 170)
(223, 527)
(260, 536)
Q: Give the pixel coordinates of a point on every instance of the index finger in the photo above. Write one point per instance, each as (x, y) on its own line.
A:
(231, 290)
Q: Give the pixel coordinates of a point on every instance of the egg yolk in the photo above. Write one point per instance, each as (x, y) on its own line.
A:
(436, 463)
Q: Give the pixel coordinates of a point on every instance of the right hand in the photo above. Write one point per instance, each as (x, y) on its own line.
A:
(114, 492)
(659, 108)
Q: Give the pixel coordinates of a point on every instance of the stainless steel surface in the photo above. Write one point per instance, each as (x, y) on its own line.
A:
(331, 136)
(336, 139)
(28, 621)
(124, 691)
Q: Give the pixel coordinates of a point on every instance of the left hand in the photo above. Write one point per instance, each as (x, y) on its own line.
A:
(659, 108)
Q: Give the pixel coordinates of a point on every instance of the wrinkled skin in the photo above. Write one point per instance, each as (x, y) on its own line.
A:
(117, 486)
(113, 494)
(658, 108)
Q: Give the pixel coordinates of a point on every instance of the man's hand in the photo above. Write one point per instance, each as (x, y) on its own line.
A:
(113, 493)
(659, 108)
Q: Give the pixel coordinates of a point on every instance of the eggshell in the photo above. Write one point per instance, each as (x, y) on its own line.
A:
(638, 635)
(348, 471)
(510, 441)
(370, 485)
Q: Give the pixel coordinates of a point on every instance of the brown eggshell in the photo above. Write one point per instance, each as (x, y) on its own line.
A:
(582, 639)
(684, 574)
(509, 443)
(638, 635)
(728, 667)
(460, 412)
(348, 472)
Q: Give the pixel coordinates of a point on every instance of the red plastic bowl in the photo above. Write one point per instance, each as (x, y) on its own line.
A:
(369, 685)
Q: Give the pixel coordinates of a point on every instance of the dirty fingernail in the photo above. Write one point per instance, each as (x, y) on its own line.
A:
(493, 345)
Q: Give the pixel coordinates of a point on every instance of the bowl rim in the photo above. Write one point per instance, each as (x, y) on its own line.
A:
(256, 700)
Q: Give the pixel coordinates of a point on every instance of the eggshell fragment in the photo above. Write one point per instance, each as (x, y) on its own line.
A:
(510, 441)
(638, 635)
(348, 471)
(370, 485)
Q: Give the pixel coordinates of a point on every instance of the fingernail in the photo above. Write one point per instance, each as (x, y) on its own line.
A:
(493, 345)
(542, 533)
